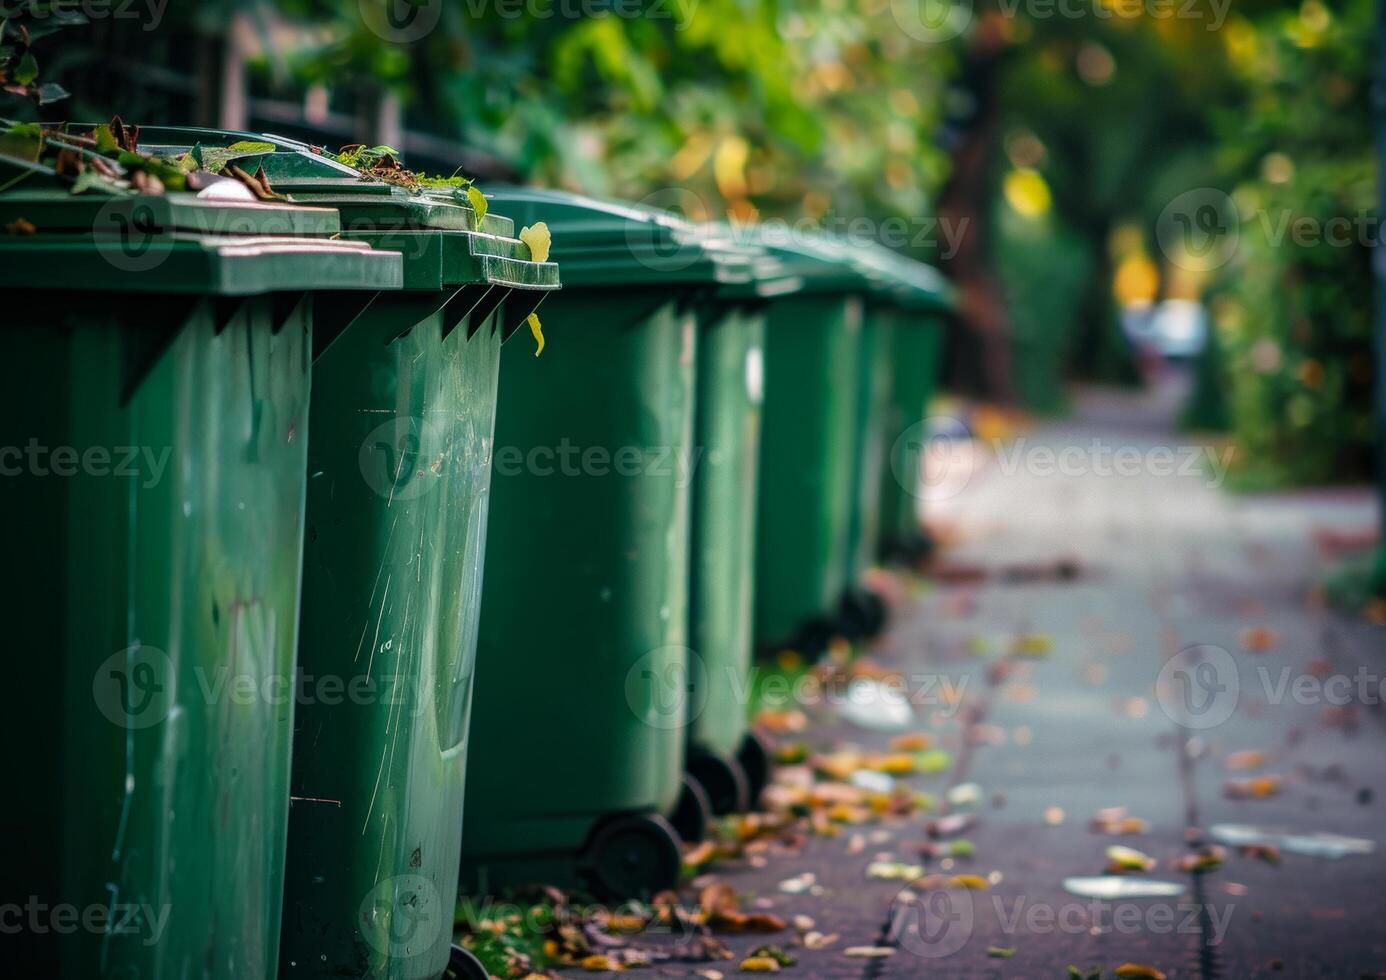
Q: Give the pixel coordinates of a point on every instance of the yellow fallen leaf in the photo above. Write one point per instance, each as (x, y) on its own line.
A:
(1128, 859)
(537, 237)
(760, 964)
(911, 742)
(893, 871)
(1257, 787)
(869, 952)
(596, 963)
(976, 882)
(1033, 645)
(536, 328)
(625, 923)
(1139, 971)
(895, 764)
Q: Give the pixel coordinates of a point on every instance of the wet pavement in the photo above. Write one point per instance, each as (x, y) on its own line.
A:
(1103, 639)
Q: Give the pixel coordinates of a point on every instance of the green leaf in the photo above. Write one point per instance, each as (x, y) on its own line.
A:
(88, 179)
(27, 69)
(480, 205)
(105, 139)
(252, 146)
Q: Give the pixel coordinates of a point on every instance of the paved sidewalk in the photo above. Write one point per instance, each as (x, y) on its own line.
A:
(1165, 562)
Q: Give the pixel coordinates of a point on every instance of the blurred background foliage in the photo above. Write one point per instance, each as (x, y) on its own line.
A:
(1056, 143)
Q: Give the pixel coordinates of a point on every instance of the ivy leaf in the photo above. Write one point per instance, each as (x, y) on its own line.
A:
(537, 237)
(27, 70)
(537, 329)
(105, 139)
(479, 205)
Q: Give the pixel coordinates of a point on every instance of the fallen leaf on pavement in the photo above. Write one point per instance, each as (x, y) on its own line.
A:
(893, 871)
(783, 722)
(1120, 859)
(1258, 639)
(1138, 971)
(1033, 645)
(1254, 788)
(911, 742)
(1000, 952)
(1265, 852)
(1116, 821)
(869, 952)
(1207, 858)
(951, 825)
(759, 964)
(974, 882)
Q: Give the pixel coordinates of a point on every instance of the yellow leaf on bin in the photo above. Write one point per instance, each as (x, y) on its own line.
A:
(537, 237)
(536, 328)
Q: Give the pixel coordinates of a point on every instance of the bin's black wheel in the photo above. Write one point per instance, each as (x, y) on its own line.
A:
(725, 782)
(912, 550)
(693, 812)
(463, 965)
(862, 613)
(633, 856)
(813, 638)
(754, 755)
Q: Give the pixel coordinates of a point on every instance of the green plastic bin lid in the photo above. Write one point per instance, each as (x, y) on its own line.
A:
(820, 262)
(179, 242)
(760, 274)
(437, 231)
(608, 243)
(905, 282)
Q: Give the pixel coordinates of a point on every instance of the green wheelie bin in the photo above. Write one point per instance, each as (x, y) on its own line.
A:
(399, 464)
(913, 304)
(862, 612)
(899, 351)
(161, 399)
(728, 761)
(809, 445)
(583, 652)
